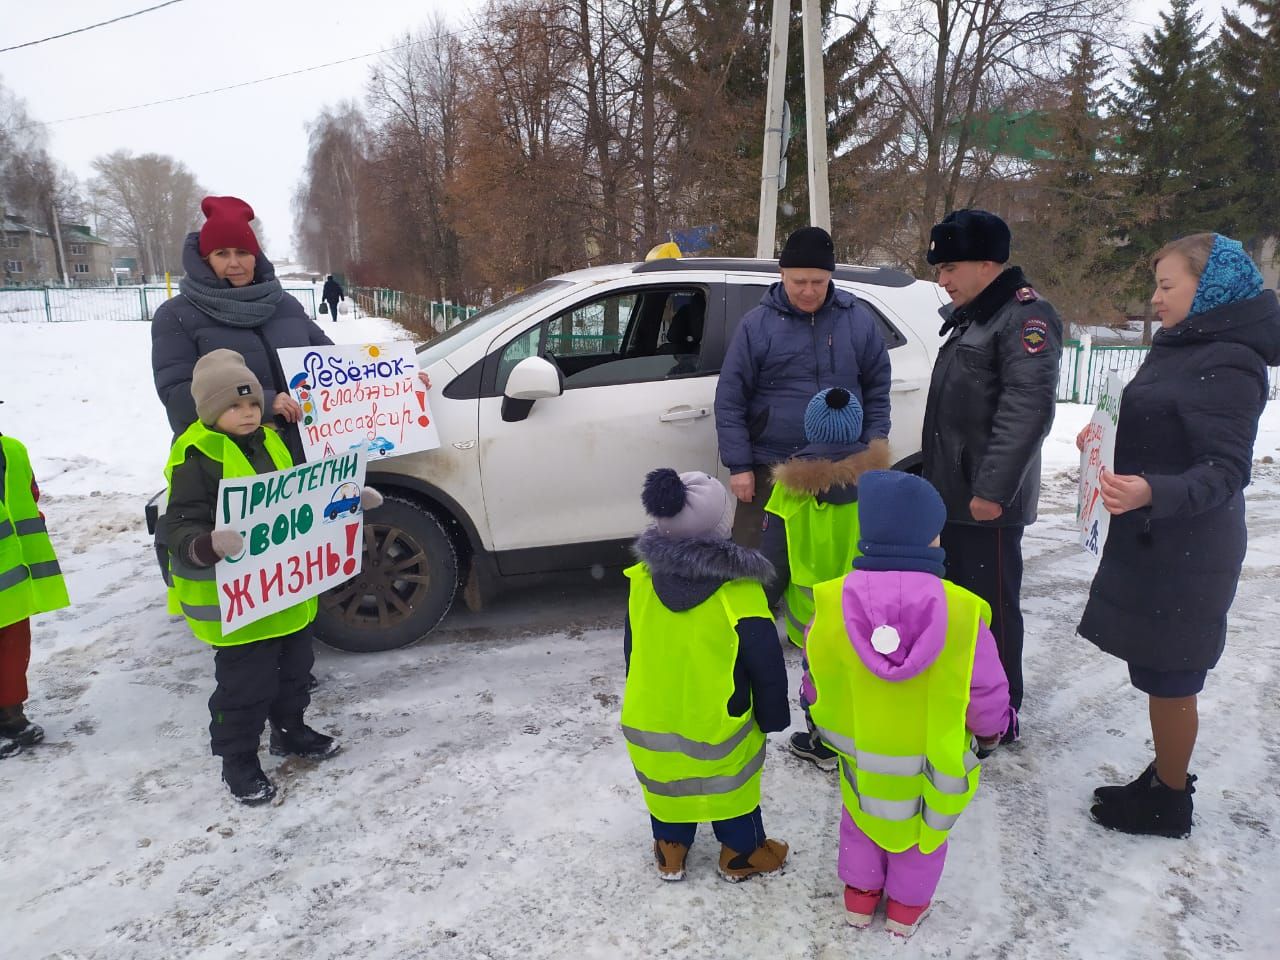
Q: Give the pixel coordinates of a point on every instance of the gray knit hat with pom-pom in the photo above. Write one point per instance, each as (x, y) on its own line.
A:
(692, 504)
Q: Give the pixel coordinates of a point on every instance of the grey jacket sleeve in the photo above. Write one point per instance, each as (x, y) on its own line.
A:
(173, 358)
(733, 397)
(1028, 397)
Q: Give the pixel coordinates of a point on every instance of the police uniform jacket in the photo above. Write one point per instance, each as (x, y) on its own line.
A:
(991, 400)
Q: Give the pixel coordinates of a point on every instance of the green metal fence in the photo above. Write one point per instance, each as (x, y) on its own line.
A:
(420, 314)
(74, 304)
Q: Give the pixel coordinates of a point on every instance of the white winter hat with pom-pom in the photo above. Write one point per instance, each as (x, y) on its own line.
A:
(691, 504)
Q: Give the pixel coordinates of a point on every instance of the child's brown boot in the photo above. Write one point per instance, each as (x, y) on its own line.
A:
(766, 858)
(669, 857)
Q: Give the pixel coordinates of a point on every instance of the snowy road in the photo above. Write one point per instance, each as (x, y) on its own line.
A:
(483, 806)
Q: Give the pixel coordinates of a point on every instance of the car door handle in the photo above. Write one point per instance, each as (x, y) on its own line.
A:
(688, 413)
(897, 384)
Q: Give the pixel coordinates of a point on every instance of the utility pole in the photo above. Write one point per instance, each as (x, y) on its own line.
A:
(815, 112)
(770, 171)
(57, 239)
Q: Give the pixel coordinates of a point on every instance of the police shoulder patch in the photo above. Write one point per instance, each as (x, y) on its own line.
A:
(1026, 295)
(1035, 335)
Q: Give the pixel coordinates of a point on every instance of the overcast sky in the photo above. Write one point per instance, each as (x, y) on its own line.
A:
(249, 142)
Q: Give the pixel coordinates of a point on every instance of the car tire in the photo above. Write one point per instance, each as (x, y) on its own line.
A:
(408, 579)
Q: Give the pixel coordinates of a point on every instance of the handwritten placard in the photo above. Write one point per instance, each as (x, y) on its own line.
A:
(1098, 453)
(302, 535)
(365, 396)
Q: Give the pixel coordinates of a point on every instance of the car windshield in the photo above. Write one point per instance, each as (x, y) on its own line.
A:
(486, 320)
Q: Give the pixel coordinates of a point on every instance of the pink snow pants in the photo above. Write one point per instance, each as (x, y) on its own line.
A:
(909, 877)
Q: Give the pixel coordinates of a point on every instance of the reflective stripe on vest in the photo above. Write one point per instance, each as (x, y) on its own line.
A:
(822, 542)
(674, 743)
(907, 767)
(194, 593)
(897, 810)
(31, 580)
(705, 786)
(694, 761)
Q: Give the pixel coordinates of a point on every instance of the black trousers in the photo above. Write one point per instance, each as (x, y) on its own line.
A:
(988, 561)
(256, 682)
(748, 518)
(333, 309)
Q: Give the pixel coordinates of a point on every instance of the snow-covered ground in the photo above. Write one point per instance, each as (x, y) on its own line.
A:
(483, 806)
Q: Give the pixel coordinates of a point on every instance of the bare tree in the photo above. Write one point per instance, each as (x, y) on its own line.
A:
(952, 67)
(326, 206)
(151, 201)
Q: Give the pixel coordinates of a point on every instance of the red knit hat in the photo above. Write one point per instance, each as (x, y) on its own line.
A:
(227, 226)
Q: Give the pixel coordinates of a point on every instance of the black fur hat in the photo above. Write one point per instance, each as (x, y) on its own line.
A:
(969, 235)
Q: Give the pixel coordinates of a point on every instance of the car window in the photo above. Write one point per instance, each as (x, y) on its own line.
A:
(591, 329)
(528, 344)
(487, 320)
(629, 336)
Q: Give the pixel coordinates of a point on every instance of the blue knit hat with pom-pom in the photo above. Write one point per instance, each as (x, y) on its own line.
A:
(834, 417)
(691, 504)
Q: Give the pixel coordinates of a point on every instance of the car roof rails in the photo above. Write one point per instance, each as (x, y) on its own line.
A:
(877, 276)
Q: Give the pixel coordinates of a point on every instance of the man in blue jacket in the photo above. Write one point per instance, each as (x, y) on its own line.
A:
(804, 337)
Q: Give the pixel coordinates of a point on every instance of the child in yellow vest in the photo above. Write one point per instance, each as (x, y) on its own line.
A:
(705, 678)
(903, 676)
(30, 583)
(261, 669)
(811, 523)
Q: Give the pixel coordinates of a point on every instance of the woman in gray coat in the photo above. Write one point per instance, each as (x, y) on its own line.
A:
(230, 298)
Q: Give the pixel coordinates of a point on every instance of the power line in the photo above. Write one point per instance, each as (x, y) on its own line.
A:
(251, 83)
(92, 26)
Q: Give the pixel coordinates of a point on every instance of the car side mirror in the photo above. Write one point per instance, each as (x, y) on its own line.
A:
(534, 378)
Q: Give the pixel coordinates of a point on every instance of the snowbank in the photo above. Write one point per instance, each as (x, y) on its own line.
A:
(483, 806)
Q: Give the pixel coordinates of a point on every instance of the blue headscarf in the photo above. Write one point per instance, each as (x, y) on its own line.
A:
(1229, 276)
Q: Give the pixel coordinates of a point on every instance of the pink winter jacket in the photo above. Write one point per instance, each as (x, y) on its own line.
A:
(915, 605)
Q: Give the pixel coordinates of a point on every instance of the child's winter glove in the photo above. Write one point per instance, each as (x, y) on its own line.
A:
(208, 548)
(370, 499)
(987, 746)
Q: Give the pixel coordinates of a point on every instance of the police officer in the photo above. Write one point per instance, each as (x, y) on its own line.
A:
(990, 406)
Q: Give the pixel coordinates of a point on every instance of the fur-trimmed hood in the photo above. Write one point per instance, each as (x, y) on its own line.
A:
(818, 475)
(687, 571)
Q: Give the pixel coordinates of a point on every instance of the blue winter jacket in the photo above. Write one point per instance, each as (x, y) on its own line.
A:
(779, 358)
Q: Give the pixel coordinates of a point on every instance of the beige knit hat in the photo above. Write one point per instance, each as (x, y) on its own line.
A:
(218, 381)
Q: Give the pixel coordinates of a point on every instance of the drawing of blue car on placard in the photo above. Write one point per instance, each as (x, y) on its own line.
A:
(379, 445)
(346, 499)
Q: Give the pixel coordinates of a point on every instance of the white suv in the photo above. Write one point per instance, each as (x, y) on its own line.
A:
(553, 405)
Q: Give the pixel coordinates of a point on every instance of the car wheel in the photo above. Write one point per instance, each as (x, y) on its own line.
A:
(406, 584)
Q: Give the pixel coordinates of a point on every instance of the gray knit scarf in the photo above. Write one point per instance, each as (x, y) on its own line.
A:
(248, 306)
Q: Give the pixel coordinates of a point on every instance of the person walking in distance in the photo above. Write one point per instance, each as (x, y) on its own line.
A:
(331, 295)
(990, 406)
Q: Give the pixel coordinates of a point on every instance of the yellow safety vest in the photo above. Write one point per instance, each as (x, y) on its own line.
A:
(907, 766)
(30, 578)
(695, 762)
(194, 593)
(822, 542)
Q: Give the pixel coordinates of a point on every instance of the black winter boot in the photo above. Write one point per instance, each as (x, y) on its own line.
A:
(1146, 807)
(9, 748)
(296, 739)
(15, 726)
(242, 773)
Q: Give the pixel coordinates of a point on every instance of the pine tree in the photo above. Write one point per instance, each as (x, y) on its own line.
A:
(1070, 254)
(1251, 66)
(1183, 151)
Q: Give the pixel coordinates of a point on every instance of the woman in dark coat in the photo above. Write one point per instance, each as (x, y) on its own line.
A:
(1184, 447)
(230, 298)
